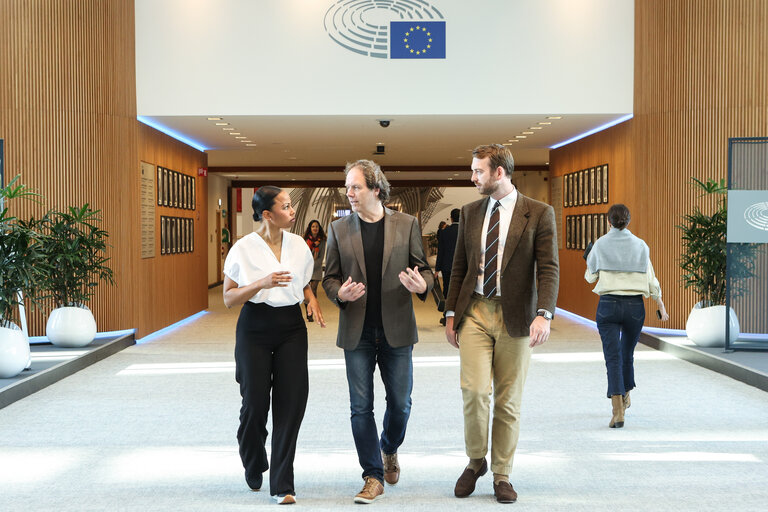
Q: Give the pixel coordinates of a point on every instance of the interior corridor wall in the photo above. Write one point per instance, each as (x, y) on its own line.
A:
(171, 287)
(68, 117)
(701, 76)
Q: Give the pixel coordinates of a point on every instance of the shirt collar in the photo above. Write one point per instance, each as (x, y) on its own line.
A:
(507, 202)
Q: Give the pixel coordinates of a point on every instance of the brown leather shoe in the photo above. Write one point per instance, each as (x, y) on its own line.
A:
(391, 468)
(372, 490)
(504, 492)
(465, 485)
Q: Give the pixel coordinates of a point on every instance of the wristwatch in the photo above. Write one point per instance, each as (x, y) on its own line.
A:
(546, 314)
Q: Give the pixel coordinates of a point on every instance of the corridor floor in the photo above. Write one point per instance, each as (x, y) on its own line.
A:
(152, 428)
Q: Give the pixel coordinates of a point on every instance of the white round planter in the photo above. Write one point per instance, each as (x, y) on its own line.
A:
(14, 351)
(706, 326)
(71, 327)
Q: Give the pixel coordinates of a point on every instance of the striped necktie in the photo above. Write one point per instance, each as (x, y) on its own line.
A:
(491, 253)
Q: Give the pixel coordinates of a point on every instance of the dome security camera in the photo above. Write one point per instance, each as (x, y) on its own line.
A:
(384, 123)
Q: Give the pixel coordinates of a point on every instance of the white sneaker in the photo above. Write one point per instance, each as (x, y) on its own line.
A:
(286, 499)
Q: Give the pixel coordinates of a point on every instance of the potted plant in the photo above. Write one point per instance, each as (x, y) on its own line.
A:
(704, 264)
(75, 249)
(20, 267)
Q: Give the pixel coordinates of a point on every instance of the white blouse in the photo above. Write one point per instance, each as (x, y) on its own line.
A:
(250, 259)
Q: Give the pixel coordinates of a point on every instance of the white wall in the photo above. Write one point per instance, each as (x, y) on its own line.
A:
(276, 58)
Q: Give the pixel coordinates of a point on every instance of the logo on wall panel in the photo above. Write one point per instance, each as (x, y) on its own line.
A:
(387, 29)
(757, 216)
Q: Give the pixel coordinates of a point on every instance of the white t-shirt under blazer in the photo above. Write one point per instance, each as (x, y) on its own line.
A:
(250, 259)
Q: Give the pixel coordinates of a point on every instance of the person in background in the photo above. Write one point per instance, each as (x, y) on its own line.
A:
(446, 246)
(375, 262)
(620, 263)
(441, 226)
(504, 284)
(315, 238)
(268, 271)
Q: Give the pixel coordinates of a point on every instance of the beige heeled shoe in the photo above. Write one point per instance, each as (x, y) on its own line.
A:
(617, 421)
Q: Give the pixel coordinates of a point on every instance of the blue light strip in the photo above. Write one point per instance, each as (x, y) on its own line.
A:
(595, 130)
(170, 328)
(168, 131)
(657, 331)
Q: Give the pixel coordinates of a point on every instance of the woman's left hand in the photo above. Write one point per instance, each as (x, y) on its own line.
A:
(313, 310)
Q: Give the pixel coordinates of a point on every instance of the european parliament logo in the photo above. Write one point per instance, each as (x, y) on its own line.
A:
(388, 29)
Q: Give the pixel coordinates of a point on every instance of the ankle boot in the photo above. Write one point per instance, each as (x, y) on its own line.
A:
(617, 421)
(627, 402)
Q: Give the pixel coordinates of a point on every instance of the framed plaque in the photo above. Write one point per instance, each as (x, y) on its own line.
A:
(577, 191)
(165, 186)
(569, 195)
(604, 188)
(568, 232)
(583, 239)
(585, 190)
(186, 191)
(159, 186)
(565, 191)
(175, 194)
(194, 196)
(189, 235)
(192, 232)
(592, 186)
(172, 185)
(182, 192)
(598, 184)
(188, 188)
(177, 232)
(588, 231)
(162, 235)
(574, 187)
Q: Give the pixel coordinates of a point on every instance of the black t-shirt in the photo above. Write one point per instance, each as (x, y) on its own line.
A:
(373, 248)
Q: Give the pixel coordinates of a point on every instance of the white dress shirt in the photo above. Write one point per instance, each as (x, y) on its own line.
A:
(250, 259)
(506, 207)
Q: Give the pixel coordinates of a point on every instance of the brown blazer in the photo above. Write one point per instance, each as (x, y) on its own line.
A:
(344, 257)
(529, 267)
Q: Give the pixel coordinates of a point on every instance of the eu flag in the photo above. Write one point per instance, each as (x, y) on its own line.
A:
(417, 39)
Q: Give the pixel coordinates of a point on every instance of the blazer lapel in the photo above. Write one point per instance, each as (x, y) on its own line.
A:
(357, 240)
(389, 238)
(516, 226)
(474, 231)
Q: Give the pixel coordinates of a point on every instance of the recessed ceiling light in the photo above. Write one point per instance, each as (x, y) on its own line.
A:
(293, 179)
(547, 163)
(222, 124)
(509, 143)
(521, 136)
(241, 137)
(250, 144)
(554, 117)
(455, 174)
(528, 133)
(544, 122)
(245, 140)
(514, 141)
(227, 129)
(234, 133)
(214, 119)
(450, 179)
(536, 127)
(292, 158)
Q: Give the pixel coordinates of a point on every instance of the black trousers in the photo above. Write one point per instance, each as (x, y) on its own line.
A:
(271, 356)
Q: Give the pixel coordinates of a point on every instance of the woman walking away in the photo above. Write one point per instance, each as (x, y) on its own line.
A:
(268, 271)
(620, 263)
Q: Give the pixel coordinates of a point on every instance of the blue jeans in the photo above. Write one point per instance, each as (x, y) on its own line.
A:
(619, 321)
(396, 367)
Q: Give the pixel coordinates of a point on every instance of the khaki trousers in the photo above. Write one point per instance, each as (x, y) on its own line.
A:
(490, 356)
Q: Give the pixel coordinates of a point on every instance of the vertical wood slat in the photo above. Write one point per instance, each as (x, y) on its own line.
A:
(68, 117)
(701, 77)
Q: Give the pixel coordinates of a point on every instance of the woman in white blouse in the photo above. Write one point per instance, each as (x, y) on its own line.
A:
(620, 263)
(268, 271)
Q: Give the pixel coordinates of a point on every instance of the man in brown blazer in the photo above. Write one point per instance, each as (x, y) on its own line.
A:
(374, 262)
(503, 292)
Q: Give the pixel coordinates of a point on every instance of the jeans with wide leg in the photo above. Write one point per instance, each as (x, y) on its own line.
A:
(619, 321)
(396, 367)
(271, 357)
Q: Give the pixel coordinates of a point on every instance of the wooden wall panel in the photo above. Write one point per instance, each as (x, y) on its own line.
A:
(611, 147)
(701, 76)
(180, 281)
(68, 118)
